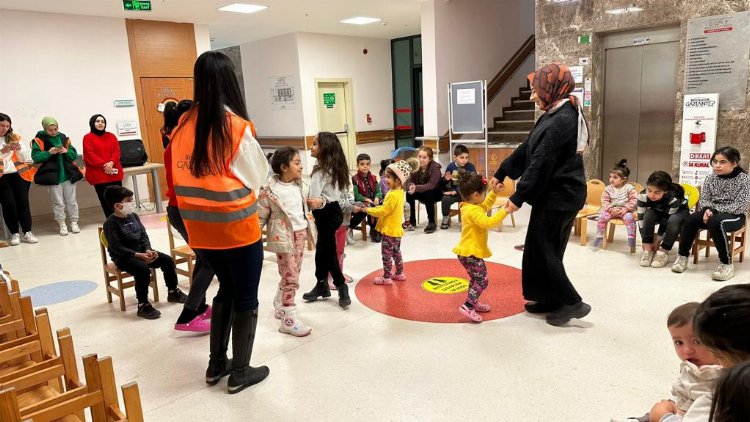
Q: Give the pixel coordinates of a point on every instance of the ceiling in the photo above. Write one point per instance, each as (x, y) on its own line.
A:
(399, 17)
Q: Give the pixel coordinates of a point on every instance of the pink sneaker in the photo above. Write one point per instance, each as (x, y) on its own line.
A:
(399, 277)
(206, 314)
(482, 307)
(470, 313)
(347, 279)
(380, 281)
(197, 325)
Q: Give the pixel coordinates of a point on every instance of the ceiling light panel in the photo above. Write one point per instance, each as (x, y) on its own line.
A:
(242, 8)
(360, 20)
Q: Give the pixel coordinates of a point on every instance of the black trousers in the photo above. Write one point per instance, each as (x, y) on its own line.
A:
(238, 271)
(203, 274)
(669, 227)
(542, 273)
(14, 198)
(142, 273)
(428, 198)
(718, 226)
(358, 217)
(446, 203)
(100, 188)
(327, 220)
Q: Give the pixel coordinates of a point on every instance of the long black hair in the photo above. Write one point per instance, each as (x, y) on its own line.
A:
(663, 181)
(722, 322)
(215, 87)
(9, 135)
(172, 113)
(731, 399)
(732, 155)
(331, 160)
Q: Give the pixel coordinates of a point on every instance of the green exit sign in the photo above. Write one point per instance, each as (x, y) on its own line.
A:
(143, 5)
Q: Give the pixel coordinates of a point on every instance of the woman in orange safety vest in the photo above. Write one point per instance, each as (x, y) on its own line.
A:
(16, 174)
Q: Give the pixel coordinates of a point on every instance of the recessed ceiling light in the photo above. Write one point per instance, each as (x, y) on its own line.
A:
(360, 20)
(242, 8)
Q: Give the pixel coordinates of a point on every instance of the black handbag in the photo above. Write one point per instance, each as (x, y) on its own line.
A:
(132, 153)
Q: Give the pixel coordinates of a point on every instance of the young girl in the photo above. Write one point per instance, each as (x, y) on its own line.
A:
(721, 322)
(347, 207)
(472, 249)
(618, 201)
(16, 174)
(57, 171)
(390, 218)
(383, 185)
(732, 395)
(329, 177)
(424, 186)
(283, 209)
(724, 199)
(662, 203)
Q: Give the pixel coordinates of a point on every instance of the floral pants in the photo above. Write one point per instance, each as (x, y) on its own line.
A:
(604, 218)
(478, 272)
(390, 248)
(290, 265)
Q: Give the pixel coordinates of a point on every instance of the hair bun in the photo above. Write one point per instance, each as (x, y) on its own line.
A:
(622, 163)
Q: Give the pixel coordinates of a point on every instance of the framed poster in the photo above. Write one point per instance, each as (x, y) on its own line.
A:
(699, 116)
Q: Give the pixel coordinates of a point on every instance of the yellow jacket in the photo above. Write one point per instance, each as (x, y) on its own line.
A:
(390, 214)
(474, 225)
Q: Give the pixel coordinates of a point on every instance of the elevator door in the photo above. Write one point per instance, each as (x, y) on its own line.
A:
(640, 89)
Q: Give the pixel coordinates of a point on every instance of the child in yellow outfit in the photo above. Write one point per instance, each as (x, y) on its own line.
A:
(390, 218)
(472, 249)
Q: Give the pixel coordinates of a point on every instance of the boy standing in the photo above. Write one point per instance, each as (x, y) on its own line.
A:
(366, 191)
(450, 181)
(130, 249)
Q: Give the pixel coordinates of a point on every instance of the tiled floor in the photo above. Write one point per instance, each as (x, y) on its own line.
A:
(362, 365)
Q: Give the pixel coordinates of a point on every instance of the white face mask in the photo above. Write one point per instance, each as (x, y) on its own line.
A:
(128, 207)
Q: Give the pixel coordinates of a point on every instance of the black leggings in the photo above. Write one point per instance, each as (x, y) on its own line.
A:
(327, 220)
(14, 198)
(428, 198)
(718, 225)
(238, 271)
(669, 227)
(100, 188)
(203, 274)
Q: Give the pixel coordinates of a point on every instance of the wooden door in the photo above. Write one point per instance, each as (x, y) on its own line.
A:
(153, 92)
(332, 117)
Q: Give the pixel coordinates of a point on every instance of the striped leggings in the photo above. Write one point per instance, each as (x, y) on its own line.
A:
(718, 226)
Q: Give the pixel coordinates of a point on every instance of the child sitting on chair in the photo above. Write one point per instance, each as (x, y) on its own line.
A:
(618, 201)
(450, 180)
(366, 191)
(130, 248)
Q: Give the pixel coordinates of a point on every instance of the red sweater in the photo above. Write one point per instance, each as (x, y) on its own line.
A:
(97, 151)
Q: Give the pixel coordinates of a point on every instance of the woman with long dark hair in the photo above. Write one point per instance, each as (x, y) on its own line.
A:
(553, 183)
(16, 174)
(101, 153)
(217, 166)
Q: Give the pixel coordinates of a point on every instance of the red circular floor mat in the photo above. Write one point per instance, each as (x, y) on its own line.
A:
(408, 300)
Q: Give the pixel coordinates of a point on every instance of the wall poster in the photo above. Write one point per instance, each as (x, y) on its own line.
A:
(283, 93)
(699, 113)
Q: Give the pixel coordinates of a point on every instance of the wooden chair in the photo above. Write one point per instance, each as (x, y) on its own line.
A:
(457, 212)
(735, 239)
(594, 190)
(113, 274)
(181, 255)
(509, 188)
(363, 229)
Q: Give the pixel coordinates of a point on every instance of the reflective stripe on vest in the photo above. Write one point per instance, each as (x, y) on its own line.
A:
(212, 195)
(218, 217)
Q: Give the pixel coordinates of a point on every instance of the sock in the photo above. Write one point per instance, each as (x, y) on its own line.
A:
(187, 315)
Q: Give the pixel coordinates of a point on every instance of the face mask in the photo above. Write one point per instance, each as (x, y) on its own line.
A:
(128, 208)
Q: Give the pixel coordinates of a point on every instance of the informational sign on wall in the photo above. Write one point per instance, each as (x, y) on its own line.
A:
(127, 128)
(716, 57)
(283, 93)
(699, 113)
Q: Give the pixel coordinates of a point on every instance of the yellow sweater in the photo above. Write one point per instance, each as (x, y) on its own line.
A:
(390, 213)
(474, 225)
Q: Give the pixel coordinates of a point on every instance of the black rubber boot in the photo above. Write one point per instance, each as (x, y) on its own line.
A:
(320, 290)
(344, 299)
(243, 336)
(221, 325)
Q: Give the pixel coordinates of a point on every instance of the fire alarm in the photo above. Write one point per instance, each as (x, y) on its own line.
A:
(364, 51)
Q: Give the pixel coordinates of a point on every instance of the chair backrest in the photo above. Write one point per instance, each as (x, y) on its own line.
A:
(638, 187)
(594, 191)
(103, 245)
(691, 193)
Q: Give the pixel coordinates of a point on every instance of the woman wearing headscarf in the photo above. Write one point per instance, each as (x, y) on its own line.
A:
(101, 153)
(549, 165)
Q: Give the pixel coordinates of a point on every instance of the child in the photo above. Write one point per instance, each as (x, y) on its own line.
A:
(662, 203)
(330, 176)
(383, 185)
(130, 249)
(724, 199)
(366, 191)
(732, 395)
(721, 322)
(618, 201)
(451, 179)
(283, 209)
(699, 369)
(57, 171)
(390, 219)
(472, 249)
(424, 186)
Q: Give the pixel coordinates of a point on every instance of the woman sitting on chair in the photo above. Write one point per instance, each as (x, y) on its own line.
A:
(724, 199)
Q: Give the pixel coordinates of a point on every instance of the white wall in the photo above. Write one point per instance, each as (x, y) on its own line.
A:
(472, 40)
(329, 56)
(202, 39)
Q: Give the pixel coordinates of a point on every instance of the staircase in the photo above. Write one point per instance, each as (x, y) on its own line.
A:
(516, 122)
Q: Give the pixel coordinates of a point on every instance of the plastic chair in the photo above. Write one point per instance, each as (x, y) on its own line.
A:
(692, 194)
(594, 190)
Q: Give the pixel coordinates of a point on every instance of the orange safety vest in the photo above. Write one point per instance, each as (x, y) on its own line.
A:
(24, 170)
(219, 211)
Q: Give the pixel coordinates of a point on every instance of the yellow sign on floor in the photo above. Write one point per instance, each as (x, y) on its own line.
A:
(446, 285)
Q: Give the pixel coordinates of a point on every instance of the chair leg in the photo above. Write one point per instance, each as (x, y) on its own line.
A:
(120, 292)
(363, 228)
(155, 285)
(513, 220)
(577, 226)
(191, 266)
(611, 234)
(695, 249)
(742, 245)
(106, 286)
(583, 224)
(605, 239)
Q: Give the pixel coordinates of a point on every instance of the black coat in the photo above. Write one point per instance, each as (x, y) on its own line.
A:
(550, 169)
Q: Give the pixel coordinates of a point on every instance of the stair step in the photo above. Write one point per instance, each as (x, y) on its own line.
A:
(522, 105)
(504, 125)
(518, 115)
(515, 136)
(524, 94)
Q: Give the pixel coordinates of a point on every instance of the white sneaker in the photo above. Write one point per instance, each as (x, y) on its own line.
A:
(646, 259)
(680, 264)
(63, 228)
(15, 239)
(74, 227)
(290, 324)
(660, 259)
(350, 237)
(723, 273)
(29, 237)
